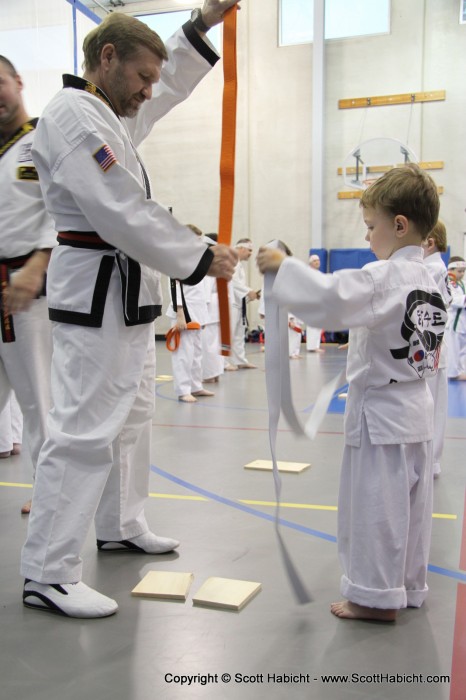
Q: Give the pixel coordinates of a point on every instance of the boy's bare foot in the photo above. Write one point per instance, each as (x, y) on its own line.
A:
(459, 378)
(26, 509)
(187, 398)
(351, 611)
(202, 392)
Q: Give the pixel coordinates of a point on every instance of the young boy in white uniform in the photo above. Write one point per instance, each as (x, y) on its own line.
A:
(436, 244)
(397, 319)
(188, 304)
(11, 429)
(456, 329)
(242, 294)
(213, 364)
(313, 335)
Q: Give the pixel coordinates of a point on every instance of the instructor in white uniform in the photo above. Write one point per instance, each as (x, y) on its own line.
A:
(26, 238)
(103, 299)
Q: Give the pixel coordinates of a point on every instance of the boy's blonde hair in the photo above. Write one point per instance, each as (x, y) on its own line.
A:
(408, 191)
(439, 235)
(126, 33)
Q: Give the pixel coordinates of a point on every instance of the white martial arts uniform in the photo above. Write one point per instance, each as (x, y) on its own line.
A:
(456, 331)
(187, 359)
(212, 360)
(11, 425)
(313, 336)
(295, 329)
(397, 318)
(96, 460)
(26, 339)
(438, 384)
(238, 328)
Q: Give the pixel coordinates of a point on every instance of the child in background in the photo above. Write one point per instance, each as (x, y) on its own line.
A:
(11, 428)
(187, 358)
(212, 359)
(436, 244)
(295, 336)
(397, 319)
(456, 330)
(313, 335)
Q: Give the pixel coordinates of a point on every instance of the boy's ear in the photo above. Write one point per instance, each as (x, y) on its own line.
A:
(401, 225)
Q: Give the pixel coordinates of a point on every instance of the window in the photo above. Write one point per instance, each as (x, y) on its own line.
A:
(343, 18)
(462, 11)
(166, 24)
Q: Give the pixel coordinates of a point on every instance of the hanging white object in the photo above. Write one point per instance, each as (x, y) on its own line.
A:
(371, 159)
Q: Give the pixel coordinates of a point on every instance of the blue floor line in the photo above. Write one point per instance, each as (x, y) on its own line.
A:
(271, 518)
(456, 401)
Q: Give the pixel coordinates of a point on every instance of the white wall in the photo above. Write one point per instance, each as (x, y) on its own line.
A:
(426, 50)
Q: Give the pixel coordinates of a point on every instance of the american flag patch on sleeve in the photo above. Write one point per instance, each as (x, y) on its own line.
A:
(105, 157)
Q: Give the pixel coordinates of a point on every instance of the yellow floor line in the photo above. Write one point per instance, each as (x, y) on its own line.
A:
(288, 505)
(178, 497)
(271, 504)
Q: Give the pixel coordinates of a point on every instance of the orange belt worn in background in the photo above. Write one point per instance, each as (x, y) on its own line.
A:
(227, 163)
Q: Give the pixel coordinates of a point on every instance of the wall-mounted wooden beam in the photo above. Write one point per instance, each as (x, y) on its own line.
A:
(356, 194)
(384, 100)
(427, 165)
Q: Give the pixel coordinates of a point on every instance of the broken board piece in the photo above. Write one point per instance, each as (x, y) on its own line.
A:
(267, 465)
(169, 585)
(343, 395)
(164, 378)
(226, 593)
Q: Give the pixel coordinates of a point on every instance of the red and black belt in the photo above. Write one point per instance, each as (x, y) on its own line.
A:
(83, 239)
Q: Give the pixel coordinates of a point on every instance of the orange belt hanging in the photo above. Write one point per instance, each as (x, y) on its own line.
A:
(227, 163)
(173, 336)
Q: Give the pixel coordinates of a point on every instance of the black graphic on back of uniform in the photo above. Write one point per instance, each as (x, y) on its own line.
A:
(422, 328)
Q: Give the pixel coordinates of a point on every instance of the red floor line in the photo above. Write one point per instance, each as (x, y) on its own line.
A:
(260, 430)
(458, 665)
(463, 542)
(233, 427)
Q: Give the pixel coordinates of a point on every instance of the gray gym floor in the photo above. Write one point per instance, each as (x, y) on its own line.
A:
(223, 515)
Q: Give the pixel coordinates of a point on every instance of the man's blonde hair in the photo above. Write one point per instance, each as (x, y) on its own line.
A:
(439, 235)
(406, 191)
(126, 33)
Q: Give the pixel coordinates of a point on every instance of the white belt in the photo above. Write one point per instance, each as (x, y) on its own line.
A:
(279, 397)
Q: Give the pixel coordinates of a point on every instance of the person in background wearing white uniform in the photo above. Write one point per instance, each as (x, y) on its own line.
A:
(26, 237)
(397, 319)
(456, 330)
(433, 246)
(191, 307)
(242, 294)
(11, 429)
(103, 291)
(212, 360)
(313, 335)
